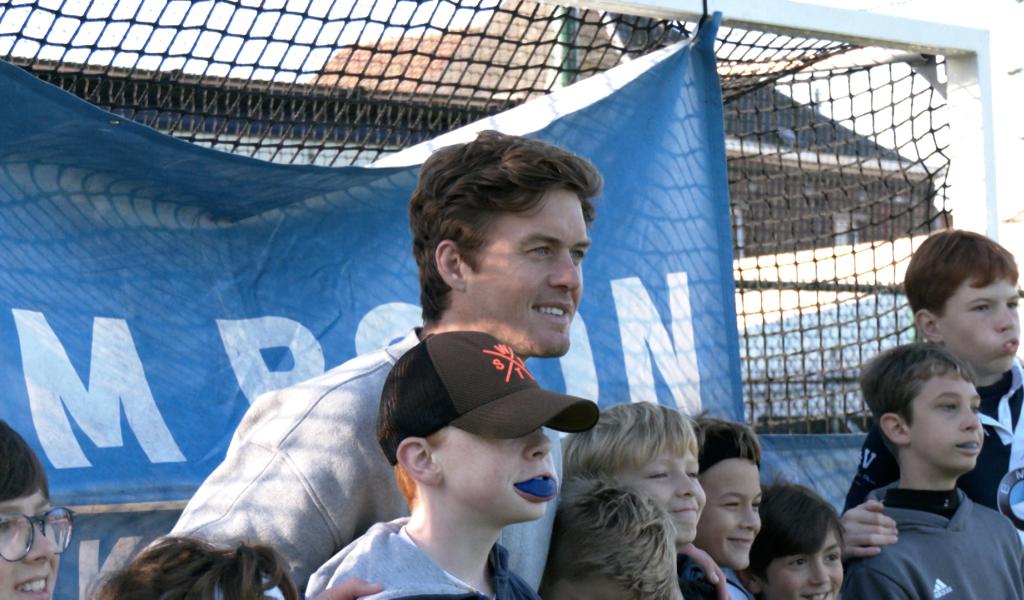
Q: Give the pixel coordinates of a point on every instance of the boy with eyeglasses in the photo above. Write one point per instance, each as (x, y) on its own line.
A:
(33, 534)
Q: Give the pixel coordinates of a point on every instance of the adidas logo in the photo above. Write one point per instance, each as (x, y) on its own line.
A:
(940, 589)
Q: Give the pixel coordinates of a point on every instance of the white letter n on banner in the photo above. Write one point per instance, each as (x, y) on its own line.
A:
(116, 379)
(644, 336)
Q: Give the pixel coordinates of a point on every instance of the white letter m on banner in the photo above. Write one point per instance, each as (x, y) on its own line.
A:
(116, 379)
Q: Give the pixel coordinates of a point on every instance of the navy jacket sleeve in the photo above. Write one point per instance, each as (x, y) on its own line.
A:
(877, 468)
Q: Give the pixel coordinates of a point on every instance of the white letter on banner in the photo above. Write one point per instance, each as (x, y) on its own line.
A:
(379, 327)
(641, 329)
(243, 340)
(89, 560)
(116, 379)
(578, 368)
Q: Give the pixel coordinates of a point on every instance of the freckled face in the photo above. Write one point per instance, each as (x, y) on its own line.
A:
(980, 326)
(480, 475)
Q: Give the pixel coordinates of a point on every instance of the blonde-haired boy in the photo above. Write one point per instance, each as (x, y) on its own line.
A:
(610, 543)
(460, 420)
(651, 449)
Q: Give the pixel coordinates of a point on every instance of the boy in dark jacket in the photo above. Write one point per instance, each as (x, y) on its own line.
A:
(460, 419)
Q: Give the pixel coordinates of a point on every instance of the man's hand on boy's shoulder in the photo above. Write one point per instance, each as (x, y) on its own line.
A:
(712, 572)
(350, 589)
(866, 529)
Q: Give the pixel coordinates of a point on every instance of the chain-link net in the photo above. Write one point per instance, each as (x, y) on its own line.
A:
(835, 153)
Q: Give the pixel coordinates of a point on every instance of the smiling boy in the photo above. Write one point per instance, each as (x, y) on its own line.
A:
(925, 404)
(460, 420)
(797, 555)
(646, 447)
(652, 449)
(962, 287)
(730, 459)
(33, 534)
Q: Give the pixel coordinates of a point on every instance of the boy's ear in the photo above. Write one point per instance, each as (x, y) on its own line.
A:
(895, 428)
(750, 581)
(416, 457)
(926, 323)
(450, 264)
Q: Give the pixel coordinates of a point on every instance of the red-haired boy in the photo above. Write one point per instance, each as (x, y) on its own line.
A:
(962, 287)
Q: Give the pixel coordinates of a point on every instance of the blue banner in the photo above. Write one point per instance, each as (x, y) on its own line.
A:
(151, 289)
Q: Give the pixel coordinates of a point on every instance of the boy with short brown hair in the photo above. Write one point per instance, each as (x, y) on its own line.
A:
(962, 287)
(460, 419)
(924, 401)
(648, 447)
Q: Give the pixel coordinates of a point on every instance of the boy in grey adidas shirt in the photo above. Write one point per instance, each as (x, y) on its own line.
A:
(925, 404)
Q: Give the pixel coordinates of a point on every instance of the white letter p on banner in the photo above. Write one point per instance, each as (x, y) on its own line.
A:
(245, 338)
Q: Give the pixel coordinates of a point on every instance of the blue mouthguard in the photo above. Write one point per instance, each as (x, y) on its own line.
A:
(542, 488)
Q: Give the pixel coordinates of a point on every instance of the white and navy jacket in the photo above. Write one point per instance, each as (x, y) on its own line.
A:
(1002, 450)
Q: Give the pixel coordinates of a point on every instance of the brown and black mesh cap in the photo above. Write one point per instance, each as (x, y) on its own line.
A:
(470, 380)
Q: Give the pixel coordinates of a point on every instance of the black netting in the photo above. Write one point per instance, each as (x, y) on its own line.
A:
(833, 173)
(835, 153)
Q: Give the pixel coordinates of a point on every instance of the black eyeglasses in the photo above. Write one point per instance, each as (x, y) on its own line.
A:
(17, 532)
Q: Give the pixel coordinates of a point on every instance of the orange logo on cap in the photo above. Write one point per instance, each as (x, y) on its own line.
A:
(508, 362)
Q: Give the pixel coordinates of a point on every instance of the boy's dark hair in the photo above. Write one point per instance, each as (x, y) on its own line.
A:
(462, 188)
(721, 440)
(794, 520)
(891, 380)
(21, 473)
(610, 532)
(949, 258)
(181, 568)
